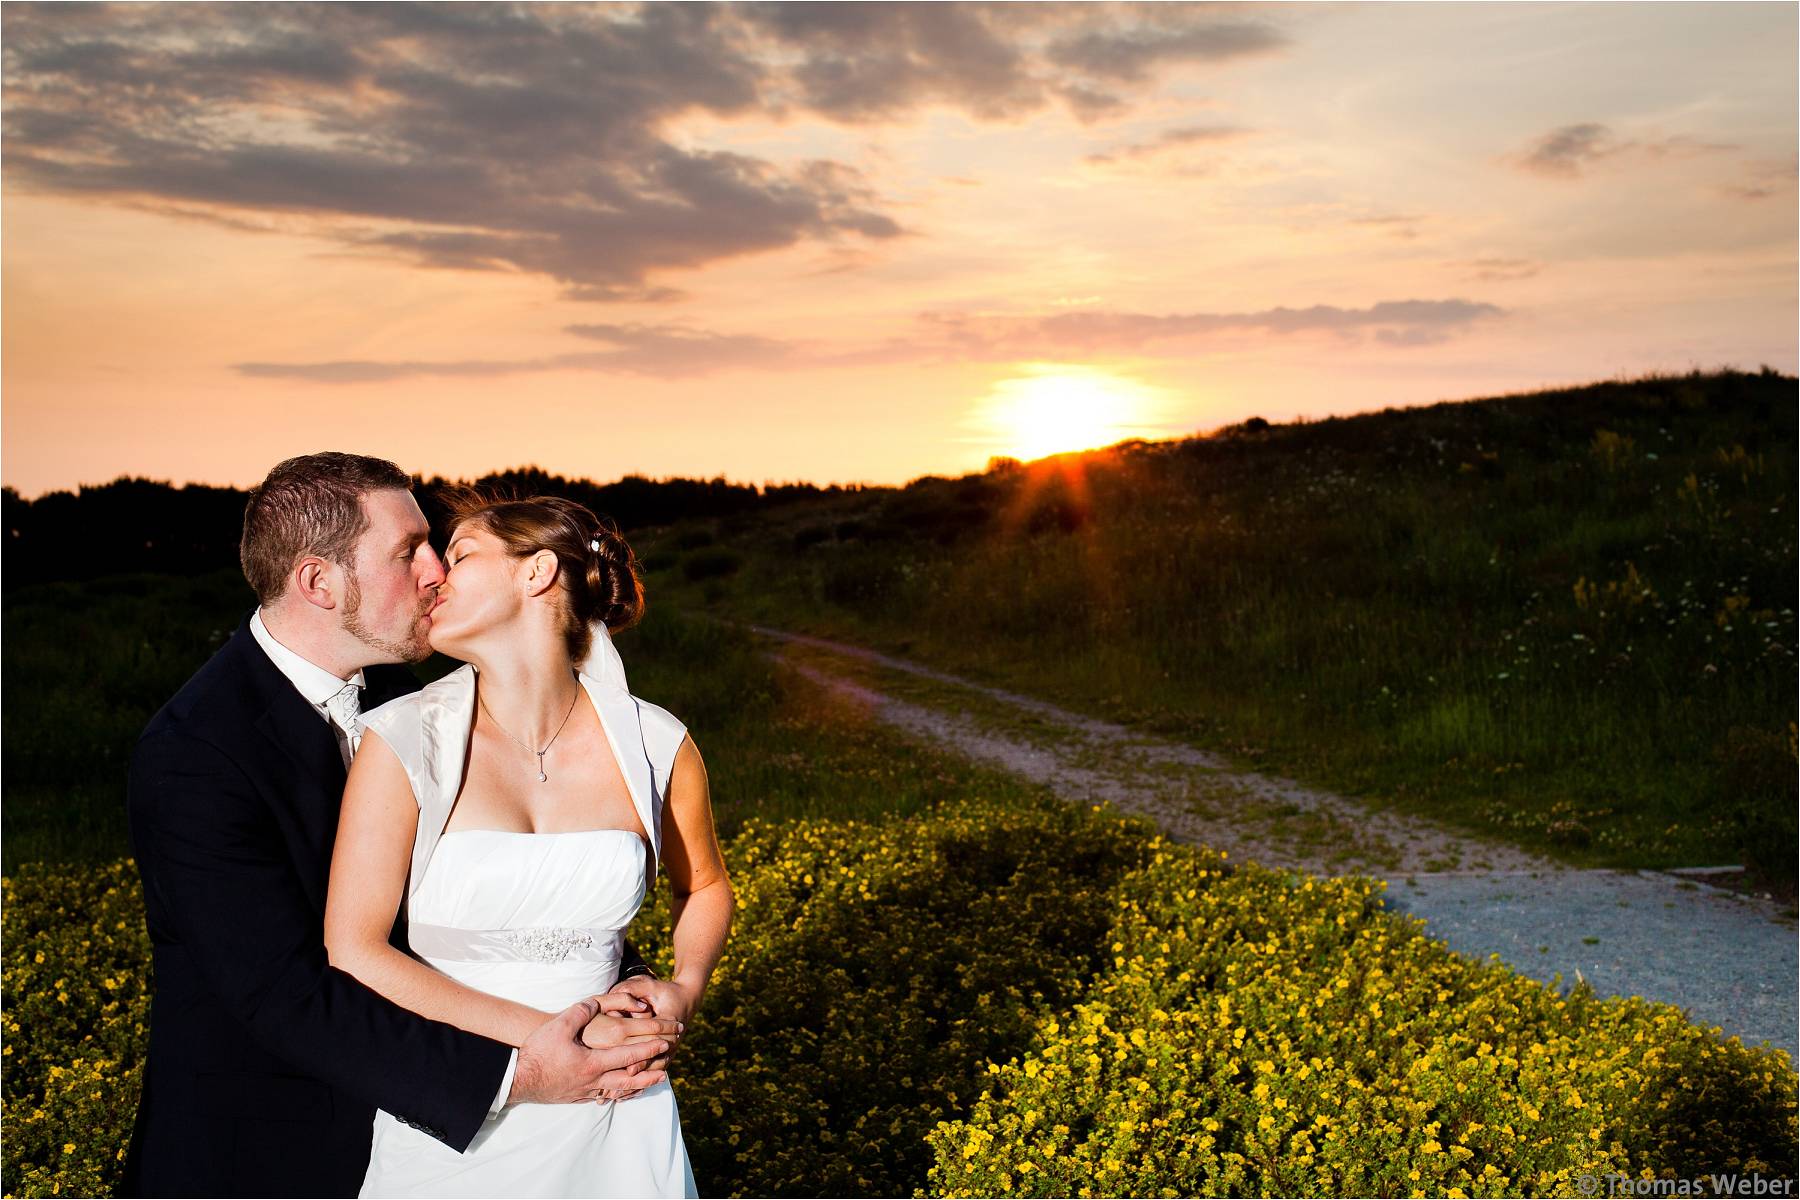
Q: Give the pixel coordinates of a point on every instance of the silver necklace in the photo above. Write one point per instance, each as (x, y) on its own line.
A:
(542, 778)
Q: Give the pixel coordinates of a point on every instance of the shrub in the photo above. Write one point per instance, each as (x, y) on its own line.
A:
(872, 970)
(867, 582)
(1030, 998)
(808, 536)
(711, 563)
(1755, 791)
(77, 976)
(1271, 1034)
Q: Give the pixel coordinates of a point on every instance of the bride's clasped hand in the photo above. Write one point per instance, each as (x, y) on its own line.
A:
(639, 1011)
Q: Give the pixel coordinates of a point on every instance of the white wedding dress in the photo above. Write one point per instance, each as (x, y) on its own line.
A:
(538, 918)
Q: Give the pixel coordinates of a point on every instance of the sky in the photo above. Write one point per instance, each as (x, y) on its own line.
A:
(858, 243)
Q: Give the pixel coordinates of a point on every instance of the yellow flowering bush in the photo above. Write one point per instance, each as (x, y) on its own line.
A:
(872, 970)
(1030, 999)
(1261, 1033)
(76, 966)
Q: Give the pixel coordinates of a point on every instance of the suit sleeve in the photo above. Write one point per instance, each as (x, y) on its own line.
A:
(227, 886)
(632, 963)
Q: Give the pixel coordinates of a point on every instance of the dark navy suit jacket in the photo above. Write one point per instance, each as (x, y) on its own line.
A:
(266, 1063)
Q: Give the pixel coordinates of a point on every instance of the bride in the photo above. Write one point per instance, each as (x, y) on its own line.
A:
(516, 811)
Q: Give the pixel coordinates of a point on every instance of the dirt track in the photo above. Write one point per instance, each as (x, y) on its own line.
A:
(1729, 959)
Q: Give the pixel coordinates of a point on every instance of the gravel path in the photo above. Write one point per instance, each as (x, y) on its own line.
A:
(1728, 959)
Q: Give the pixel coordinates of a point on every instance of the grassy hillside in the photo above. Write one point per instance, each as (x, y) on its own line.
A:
(1566, 617)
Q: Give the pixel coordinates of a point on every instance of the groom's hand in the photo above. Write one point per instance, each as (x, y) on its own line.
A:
(624, 1019)
(556, 1067)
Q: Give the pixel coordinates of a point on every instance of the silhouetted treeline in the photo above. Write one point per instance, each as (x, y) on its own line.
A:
(134, 524)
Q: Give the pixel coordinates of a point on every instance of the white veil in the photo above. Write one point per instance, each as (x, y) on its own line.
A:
(603, 662)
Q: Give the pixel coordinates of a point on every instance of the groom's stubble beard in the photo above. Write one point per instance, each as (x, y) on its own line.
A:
(415, 649)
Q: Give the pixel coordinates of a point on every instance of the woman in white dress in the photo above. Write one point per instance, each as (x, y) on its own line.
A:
(516, 810)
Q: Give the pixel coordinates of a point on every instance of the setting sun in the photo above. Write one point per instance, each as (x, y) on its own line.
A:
(1056, 407)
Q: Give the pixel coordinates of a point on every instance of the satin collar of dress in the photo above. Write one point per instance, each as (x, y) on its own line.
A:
(447, 715)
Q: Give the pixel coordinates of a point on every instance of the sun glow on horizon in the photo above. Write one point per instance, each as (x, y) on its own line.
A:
(1057, 407)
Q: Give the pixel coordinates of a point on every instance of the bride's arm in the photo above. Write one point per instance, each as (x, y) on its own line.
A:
(703, 899)
(368, 877)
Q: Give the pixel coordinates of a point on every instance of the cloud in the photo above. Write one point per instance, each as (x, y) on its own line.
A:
(1565, 152)
(862, 62)
(676, 351)
(473, 138)
(1398, 225)
(1764, 178)
(1500, 270)
(1398, 322)
(538, 138)
(1170, 139)
(670, 350)
(1681, 146)
(368, 371)
(1128, 55)
(659, 351)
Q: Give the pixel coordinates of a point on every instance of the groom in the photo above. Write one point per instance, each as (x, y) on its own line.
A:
(266, 1063)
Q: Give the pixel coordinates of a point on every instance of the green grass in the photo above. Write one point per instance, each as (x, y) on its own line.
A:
(86, 667)
(1566, 619)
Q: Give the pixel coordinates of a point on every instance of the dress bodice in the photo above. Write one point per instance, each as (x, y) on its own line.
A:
(492, 879)
(519, 913)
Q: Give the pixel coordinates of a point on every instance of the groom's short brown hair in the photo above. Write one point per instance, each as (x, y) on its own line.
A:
(309, 505)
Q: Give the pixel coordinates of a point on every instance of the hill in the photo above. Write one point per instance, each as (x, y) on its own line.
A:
(1567, 616)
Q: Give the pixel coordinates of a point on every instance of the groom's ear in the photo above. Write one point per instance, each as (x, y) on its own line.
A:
(315, 582)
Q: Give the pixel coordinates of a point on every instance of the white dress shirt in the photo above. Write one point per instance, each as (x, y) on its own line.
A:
(317, 685)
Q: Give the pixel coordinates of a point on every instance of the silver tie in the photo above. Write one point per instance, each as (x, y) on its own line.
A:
(346, 710)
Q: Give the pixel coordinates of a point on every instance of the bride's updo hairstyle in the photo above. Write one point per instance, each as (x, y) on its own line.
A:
(597, 585)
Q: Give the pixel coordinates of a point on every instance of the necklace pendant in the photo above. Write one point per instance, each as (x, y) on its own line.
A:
(543, 778)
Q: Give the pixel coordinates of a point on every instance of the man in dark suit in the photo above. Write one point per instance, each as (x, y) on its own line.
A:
(265, 1062)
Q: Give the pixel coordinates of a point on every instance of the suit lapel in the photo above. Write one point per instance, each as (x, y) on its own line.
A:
(384, 683)
(308, 742)
(307, 779)
(305, 775)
